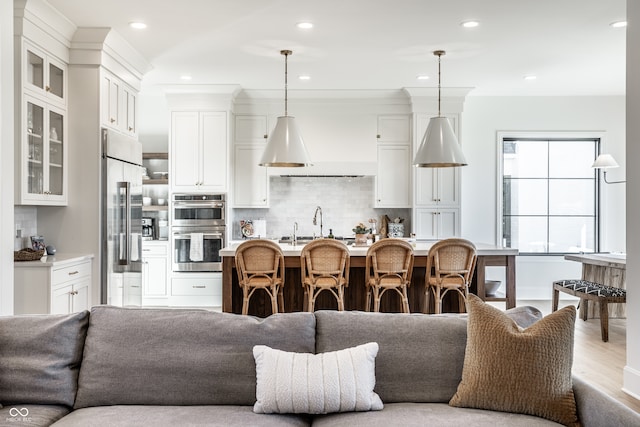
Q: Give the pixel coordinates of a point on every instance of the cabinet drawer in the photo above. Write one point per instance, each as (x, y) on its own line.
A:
(188, 287)
(155, 249)
(71, 272)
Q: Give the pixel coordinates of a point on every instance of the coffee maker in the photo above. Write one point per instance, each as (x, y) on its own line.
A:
(148, 229)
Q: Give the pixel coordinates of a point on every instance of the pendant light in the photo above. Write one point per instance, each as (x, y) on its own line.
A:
(285, 147)
(439, 147)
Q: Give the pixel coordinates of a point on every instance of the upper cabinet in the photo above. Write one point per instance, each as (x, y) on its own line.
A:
(250, 181)
(393, 179)
(44, 75)
(41, 125)
(198, 151)
(118, 105)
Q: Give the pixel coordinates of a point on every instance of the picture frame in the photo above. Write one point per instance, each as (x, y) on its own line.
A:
(37, 243)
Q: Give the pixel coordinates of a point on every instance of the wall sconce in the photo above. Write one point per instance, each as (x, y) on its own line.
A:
(606, 161)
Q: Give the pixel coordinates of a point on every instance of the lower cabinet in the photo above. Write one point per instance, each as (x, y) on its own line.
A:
(155, 272)
(440, 223)
(60, 285)
(196, 289)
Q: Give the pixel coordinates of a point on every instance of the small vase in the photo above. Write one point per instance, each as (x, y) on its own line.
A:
(361, 239)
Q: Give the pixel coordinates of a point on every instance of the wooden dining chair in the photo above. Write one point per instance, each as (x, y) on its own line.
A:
(260, 265)
(324, 265)
(450, 267)
(388, 266)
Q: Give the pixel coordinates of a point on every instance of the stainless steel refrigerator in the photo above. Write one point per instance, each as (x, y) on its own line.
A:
(121, 234)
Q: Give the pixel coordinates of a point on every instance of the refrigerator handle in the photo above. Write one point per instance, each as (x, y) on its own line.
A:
(124, 193)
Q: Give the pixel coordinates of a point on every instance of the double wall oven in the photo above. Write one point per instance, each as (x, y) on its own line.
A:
(197, 232)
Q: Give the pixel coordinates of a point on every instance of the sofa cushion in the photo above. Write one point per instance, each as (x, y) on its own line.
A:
(31, 415)
(171, 416)
(40, 358)
(180, 357)
(507, 368)
(428, 414)
(336, 381)
(420, 357)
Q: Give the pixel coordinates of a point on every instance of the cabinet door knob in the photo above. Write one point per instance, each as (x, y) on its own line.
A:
(378, 136)
(47, 88)
(130, 129)
(112, 120)
(266, 136)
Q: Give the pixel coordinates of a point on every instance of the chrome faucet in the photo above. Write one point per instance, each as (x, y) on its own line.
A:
(294, 240)
(315, 219)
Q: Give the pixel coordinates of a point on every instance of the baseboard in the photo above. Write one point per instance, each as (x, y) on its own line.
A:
(631, 382)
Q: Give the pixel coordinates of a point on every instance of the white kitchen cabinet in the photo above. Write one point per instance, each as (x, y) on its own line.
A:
(155, 272)
(439, 223)
(196, 290)
(393, 177)
(59, 285)
(117, 104)
(41, 164)
(250, 181)
(394, 129)
(437, 187)
(198, 151)
(251, 129)
(44, 75)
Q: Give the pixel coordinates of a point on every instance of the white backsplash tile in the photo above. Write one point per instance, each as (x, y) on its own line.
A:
(25, 220)
(344, 201)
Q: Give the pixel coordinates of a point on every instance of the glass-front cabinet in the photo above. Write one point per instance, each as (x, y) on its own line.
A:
(44, 75)
(43, 154)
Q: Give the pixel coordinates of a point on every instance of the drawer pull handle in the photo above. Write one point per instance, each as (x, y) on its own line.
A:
(71, 273)
(199, 286)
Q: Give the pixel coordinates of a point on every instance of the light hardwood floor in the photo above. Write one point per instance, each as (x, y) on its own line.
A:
(597, 362)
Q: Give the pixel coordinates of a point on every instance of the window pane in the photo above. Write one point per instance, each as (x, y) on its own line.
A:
(525, 159)
(528, 234)
(571, 197)
(526, 197)
(571, 159)
(571, 234)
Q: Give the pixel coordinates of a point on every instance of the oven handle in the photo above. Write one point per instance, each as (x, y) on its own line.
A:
(188, 236)
(183, 205)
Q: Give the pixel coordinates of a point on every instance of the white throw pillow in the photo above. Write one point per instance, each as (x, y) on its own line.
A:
(337, 381)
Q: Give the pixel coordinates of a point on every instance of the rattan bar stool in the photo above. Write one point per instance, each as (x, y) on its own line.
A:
(260, 265)
(450, 267)
(324, 266)
(388, 266)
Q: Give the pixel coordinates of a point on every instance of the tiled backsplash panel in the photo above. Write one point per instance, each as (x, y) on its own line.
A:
(25, 220)
(345, 201)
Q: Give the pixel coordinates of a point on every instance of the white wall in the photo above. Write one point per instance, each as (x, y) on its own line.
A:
(483, 117)
(6, 157)
(631, 378)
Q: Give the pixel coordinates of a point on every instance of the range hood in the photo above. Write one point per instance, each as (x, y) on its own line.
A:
(329, 170)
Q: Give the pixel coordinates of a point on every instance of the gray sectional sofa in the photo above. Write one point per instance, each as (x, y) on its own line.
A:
(163, 367)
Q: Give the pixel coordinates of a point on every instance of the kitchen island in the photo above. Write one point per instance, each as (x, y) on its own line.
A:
(355, 293)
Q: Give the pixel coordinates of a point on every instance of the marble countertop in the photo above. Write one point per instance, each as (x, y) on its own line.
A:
(57, 260)
(421, 248)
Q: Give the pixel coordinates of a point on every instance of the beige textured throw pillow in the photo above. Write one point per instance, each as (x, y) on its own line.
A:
(510, 369)
(336, 381)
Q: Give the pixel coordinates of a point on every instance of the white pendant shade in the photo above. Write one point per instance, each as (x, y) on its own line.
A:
(605, 161)
(285, 147)
(439, 147)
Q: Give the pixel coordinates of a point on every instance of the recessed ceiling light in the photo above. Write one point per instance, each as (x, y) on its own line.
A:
(422, 77)
(304, 25)
(185, 77)
(138, 25)
(304, 77)
(530, 77)
(470, 24)
(619, 24)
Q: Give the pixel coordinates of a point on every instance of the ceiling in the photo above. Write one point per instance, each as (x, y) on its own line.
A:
(374, 44)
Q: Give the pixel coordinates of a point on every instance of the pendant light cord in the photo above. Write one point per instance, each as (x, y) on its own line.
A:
(286, 54)
(439, 54)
